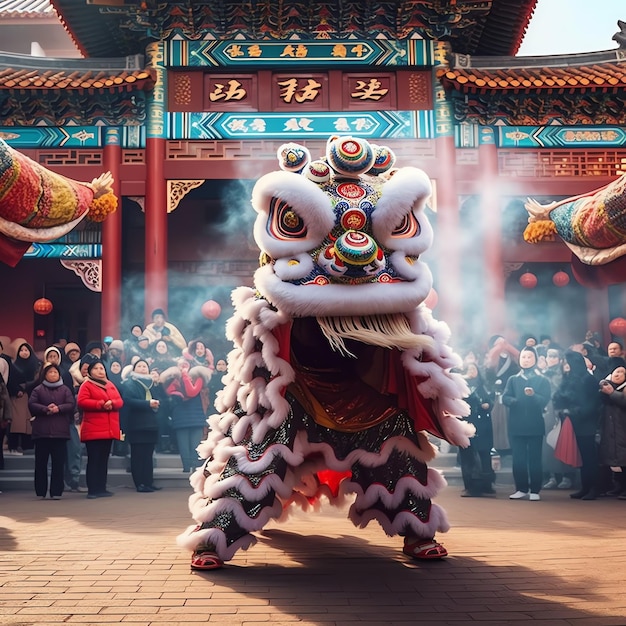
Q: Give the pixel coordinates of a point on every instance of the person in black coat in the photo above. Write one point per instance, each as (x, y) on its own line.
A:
(577, 398)
(478, 477)
(140, 425)
(526, 395)
(52, 406)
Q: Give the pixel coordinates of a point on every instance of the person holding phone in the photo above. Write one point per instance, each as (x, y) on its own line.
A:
(140, 424)
(612, 450)
(526, 395)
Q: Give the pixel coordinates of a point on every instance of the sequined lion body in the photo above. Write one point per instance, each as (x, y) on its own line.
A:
(339, 369)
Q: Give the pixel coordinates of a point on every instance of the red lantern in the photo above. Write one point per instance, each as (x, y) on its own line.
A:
(618, 326)
(528, 280)
(431, 299)
(43, 306)
(211, 310)
(560, 279)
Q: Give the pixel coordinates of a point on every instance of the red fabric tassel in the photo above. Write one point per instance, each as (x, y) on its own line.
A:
(566, 447)
(12, 250)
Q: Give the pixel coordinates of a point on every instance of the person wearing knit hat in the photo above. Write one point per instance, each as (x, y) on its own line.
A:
(100, 402)
(51, 404)
(115, 351)
(526, 394)
(72, 351)
(94, 347)
(140, 424)
(53, 355)
(162, 329)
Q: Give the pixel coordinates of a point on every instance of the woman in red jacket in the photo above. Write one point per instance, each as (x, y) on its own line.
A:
(100, 402)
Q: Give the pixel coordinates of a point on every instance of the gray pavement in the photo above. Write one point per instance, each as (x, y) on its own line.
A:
(115, 561)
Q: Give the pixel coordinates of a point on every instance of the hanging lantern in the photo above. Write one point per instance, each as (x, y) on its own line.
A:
(618, 326)
(431, 299)
(560, 279)
(43, 306)
(528, 280)
(211, 310)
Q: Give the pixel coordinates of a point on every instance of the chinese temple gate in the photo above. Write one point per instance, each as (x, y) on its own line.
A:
(188, 104)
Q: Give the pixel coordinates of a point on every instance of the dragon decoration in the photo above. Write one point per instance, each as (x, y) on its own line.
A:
(38, 205)
(592, 225)
(339, 369)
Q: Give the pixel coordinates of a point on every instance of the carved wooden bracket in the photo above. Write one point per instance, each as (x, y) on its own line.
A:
(177, 190)
(90, 272)
(509, 268)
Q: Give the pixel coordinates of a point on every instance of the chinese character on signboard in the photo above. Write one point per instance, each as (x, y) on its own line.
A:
(370, 90)
(295, 52)
(234, 91)
(292, 89)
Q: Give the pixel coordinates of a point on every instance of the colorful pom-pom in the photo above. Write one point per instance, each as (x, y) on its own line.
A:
(350, 156)
(542, 230)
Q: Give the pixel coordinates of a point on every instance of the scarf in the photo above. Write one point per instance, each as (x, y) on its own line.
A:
(58, 383)
(100, 383)
(145, 380)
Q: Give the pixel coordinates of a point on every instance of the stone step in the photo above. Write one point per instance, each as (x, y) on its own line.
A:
(168, 472)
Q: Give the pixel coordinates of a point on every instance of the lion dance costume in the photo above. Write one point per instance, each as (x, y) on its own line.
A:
(338, 369)
(38, 205)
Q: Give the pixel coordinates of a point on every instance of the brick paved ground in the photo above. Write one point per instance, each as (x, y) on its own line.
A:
(114, 561)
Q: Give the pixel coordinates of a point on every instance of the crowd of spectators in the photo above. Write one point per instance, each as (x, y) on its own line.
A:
(149, 391)
(521, 393)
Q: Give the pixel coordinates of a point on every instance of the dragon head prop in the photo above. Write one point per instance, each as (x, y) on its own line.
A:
(592, 226)
(39, 205)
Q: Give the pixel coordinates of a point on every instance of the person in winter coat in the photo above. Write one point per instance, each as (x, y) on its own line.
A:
(577, 398)
(24, 377)
(100, 402)
(52, 406)
(613, 427)
(183, 385)
(478, 477)
(526, 395)
(140, 425)
(5, 413)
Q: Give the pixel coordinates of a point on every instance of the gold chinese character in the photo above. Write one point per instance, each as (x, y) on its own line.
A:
(234, 51)
(254, 51)
(288, 51)
(339, 50)
(301, 51)
(358, 50)
(291, 91)
(234, 92)
(369, 91)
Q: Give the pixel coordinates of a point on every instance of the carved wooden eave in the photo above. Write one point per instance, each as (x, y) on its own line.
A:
(61, 92)
(27, 73)
(585, 88)
(115, 27)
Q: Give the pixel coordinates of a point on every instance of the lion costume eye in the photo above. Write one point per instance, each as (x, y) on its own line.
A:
(284, 223)
(409, 227)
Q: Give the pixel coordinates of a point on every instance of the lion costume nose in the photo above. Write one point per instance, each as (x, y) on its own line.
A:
(356, 248)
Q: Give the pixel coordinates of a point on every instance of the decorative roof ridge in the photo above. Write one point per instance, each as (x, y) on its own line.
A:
(25, 61)
(31, 9)
(466, 61)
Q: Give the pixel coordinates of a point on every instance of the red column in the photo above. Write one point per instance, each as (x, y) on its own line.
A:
(156, 292)
(492, 235)
(111, 308)
(448, 240)
(156, 228)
